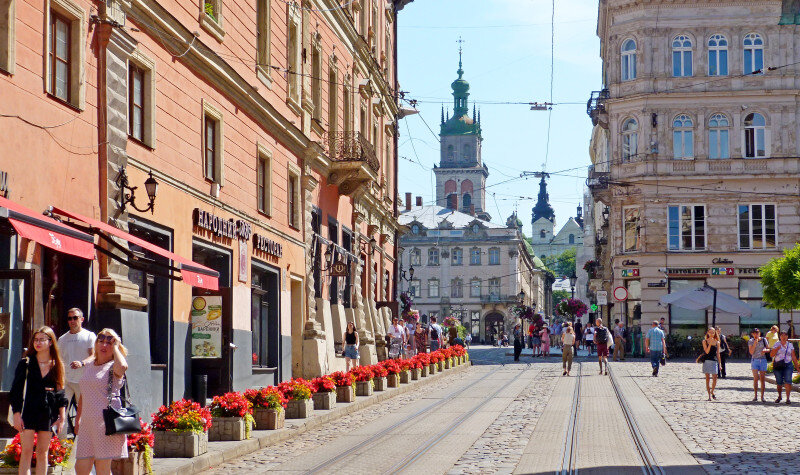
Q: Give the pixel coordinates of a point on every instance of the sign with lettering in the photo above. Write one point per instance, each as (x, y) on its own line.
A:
(602, 297)
(338, 269)
(630, 272)
(687, 271)
(722, 271)
(656, 285)
(221, 227)
(207, 326)
(243, 261)
(748, 271)
(267, 245)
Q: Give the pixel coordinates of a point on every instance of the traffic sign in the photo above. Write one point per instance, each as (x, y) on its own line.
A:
(621, 294)
(602, 297)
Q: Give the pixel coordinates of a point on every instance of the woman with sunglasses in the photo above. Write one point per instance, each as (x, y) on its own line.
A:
(710, 359)
(37, 398)
(94, 447)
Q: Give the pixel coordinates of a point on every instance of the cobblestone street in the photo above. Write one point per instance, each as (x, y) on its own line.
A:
(506, 417)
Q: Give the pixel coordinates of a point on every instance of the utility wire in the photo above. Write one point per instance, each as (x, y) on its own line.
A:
(552, 75)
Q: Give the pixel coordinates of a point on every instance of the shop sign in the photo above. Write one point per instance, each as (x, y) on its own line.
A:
(630, 272)
(221, 227)
(748, 271)
(242, 261)
(338, 269)
(5, 330)
(722, 271)
(721, 260)
(207, 326)
(687, 271)
(267, 245)
(657, 285)
(602, 297)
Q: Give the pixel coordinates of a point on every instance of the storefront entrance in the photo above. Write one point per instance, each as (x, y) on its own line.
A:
(265, 320)
(494, 325)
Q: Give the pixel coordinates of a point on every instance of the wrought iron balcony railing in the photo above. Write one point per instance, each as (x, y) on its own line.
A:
(596, 106)
(352, 147)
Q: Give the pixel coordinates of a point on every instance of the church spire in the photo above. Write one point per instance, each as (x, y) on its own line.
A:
(442, 114)
(543, 208)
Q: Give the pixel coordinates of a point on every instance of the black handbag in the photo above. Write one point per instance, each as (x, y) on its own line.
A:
(767, 356)
(124, 420)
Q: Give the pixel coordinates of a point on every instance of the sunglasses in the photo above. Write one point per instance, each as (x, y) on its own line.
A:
(69, 319)
(105, 339)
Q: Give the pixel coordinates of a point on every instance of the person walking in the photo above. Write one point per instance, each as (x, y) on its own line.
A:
(724, 352)
(773, 335)
(577, 328)
(601, 338)
(531, 329)
(710, 359)
(558, 329)
(619, 341)
(351, 345)
(517, 334)
(398, 333)
(37, 398)
(101, 384)
(567, 345)
(758, 347)
(75, 346)
(544, 334)
(537, 341)
(588, 337)
(784, 360)
(435, 333)
(468, 340)
(655, 344)
(420, 339)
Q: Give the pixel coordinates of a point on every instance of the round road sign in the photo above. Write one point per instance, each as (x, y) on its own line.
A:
(620, 294)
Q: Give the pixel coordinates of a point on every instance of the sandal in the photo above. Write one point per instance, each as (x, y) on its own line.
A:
(788, 401)
(778, 400)
(714, 396)
(755, 399)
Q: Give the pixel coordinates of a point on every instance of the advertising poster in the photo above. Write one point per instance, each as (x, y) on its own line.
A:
(207, 326)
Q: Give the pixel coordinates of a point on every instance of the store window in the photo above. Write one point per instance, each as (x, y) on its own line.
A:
(682, 321)
(633, 305)
(264, 315)
(752, 294)
(475, 324)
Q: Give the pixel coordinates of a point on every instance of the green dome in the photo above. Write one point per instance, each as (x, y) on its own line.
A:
(460, 86)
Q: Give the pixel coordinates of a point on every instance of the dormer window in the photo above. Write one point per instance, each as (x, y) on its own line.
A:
(415, 229)
(476, 228)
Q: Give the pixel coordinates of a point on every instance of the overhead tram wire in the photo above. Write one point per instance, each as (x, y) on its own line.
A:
(552, 75)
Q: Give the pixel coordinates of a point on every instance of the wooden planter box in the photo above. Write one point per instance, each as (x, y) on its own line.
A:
(380, 383)
(227, 428)
(133, 465)
(364, 388)
(170, 444)
(405, 377)
(299, 408)
(432, 368)
(424, 371)
(414, 374)
(393, 381)
(324, 401)
(269, 419)
(345, 394)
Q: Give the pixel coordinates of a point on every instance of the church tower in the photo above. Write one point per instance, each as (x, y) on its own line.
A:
(544, 218)
(461, 175)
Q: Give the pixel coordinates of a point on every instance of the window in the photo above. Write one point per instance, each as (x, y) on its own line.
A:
(136, 102)
(414, 288)
(631, 229)
(294, 63)
(433, 257)
(263, 32)
(755, 136)
(630, 139)
(211, 18)
(64, 70)
(475, 256)
(60, 62)
(687, 227)
(717, 56)
(316, 81)
(542, 234)
(466, 201)
(682, 137)
(264, 317)
(264, 180)
(333, 236)
(456, 288)
(347, 110)
(751, 293)
(571, 239)
(628, 60)
(683, 321)
(753, 53)
(333, 99)
(757, 227)
(458, 257)
(7, 40)
(210, 147)
(415, 257)
(494, 288)
(433, 288)
(718, 137)
(363, 18)
(141, 95)
(494, 256)
(347, 244)
(475, 288)
(682, 56)
(293, 199)
(451, 154)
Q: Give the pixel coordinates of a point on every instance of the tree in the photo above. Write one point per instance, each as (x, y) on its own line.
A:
(780, 280)
(563, 264)
(559, 295)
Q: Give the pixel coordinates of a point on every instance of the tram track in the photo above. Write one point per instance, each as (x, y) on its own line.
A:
(569, 455)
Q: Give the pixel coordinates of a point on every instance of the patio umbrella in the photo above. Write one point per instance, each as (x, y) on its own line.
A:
(707, 297)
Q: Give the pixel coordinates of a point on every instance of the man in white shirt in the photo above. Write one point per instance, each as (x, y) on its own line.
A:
(435, 333)
(75, 346)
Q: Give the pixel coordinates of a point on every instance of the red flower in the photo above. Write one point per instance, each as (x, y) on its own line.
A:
(182, 416)
(379, 371)
(297, 389)
(266, 398)
(362, 373)
(343, 379)
(391, 366)
(323, 384)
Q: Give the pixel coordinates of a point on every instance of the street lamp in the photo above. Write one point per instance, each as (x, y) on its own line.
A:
(128, 193)
(572, 280)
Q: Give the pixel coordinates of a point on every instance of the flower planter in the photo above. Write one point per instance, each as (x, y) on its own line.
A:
(269, 419)
(393, 380)
(456, 360)
(440, 366)
(432, 368)
(227, 428)
(364, 388)
(380, 383)
(345, 394)
(324, 400)
(170, 444)
(405, 377)
(299, 408)
(133, 465)
(414, 374)
(424, 371)
(448, 363)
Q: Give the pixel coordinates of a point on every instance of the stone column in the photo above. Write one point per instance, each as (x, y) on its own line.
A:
(371, 346)
(315, 361)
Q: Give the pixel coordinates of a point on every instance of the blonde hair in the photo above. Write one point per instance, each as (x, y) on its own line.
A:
(110, 332)
(55, 354)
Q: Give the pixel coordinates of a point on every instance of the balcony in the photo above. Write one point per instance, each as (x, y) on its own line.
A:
(597, 180)
(353, 161)
(704, 168)
(596, 108)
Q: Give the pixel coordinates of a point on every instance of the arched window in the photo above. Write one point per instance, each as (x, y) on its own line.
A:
(630, 139)
(755, 136)
(466, 201)
(717, 56)
(450, 152)
(682, 137)
(681, 56)
(572, 239)
(449, 187)
(718, 137)
(628, 60)
(542, 234)
(753, 53)
(452, 201)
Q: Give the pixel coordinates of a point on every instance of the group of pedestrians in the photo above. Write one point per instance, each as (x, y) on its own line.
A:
(784, 360)
(43, 387)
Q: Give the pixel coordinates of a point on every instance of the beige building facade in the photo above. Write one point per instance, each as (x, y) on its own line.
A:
(695, 173)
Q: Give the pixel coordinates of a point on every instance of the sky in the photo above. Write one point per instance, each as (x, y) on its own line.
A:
(506, 58)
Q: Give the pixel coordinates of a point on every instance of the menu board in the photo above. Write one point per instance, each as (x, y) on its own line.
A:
(207, 326)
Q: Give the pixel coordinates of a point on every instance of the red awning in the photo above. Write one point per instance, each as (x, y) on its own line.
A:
(193, 273)
(47, 231)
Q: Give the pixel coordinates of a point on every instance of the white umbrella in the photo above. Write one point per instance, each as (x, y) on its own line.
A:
(707, 297)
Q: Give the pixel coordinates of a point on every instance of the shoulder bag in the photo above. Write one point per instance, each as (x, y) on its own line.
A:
(779, 365)
(10, 418)
(767, 356)
(124, 420)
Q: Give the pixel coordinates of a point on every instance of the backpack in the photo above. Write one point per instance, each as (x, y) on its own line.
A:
(434, 333)
(601, 335)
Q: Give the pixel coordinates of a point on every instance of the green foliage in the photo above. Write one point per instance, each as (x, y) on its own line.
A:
(562, 264)
(208, 6)
(780, 279)
(559, 295)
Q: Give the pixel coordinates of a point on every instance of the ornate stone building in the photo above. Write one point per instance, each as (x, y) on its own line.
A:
(695, 172)
(547, 244)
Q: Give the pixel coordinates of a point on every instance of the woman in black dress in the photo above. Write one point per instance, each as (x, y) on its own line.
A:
(37, 398)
